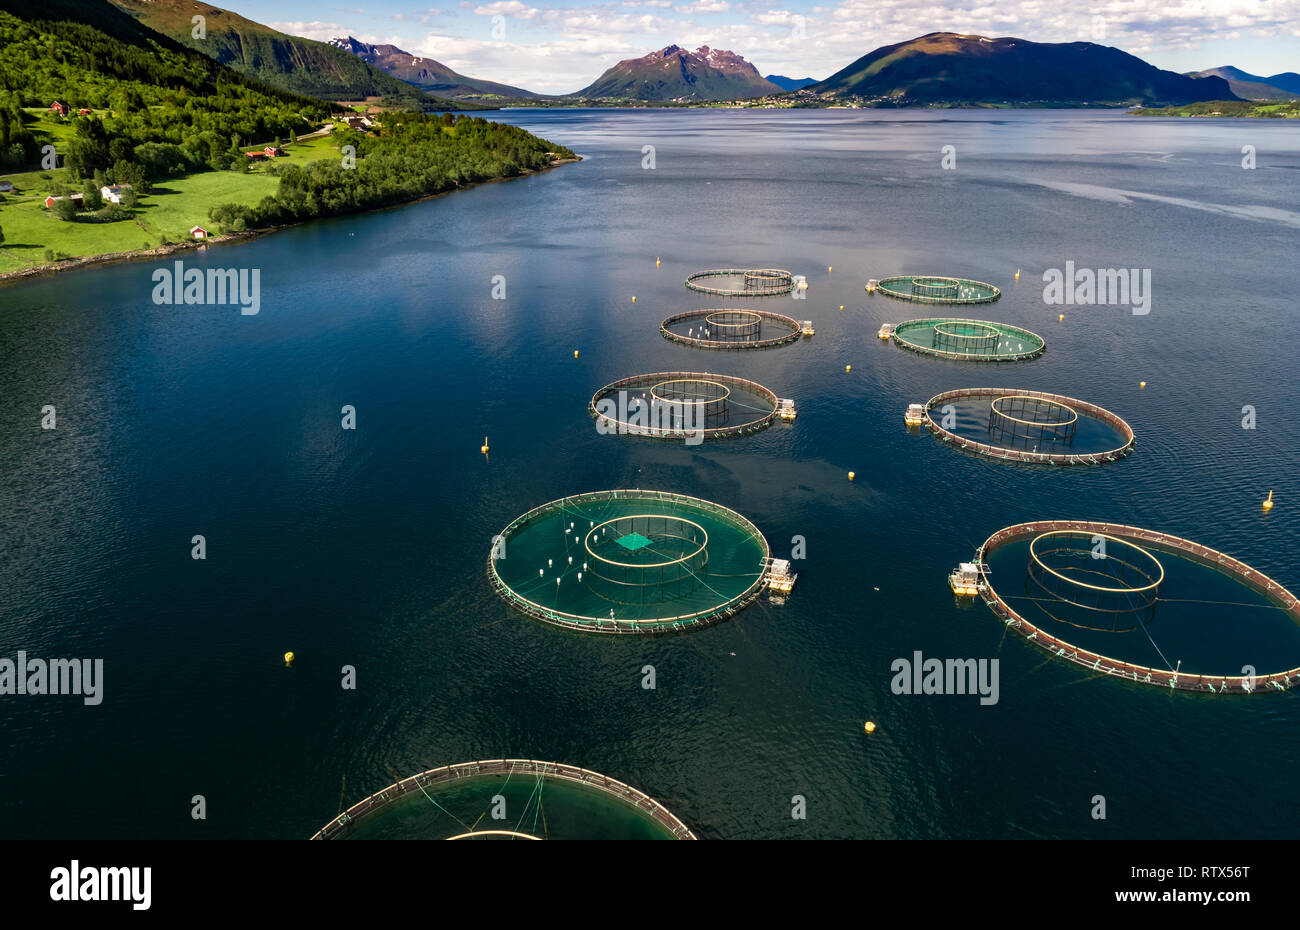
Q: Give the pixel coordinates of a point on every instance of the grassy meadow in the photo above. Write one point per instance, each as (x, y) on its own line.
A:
(167, 212)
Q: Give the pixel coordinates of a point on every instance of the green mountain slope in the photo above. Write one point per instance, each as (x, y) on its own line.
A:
(944, 67)
(141, 86)
(290, 62)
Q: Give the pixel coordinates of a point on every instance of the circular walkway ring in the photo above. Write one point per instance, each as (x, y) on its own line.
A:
(1024, 455)
(893, 285)
(767, 282)
(344, 822)
(640, 625)
(644, 381)
(794, 333)
(1036, 343)
(1142, 674)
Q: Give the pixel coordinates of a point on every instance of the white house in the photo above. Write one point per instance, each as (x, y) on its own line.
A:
(114, 194)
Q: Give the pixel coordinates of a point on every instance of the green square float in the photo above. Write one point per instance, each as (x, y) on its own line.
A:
(632, 542)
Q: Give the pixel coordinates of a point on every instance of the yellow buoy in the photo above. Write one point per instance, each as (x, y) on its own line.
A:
(288, 659)
(869, 726)
(1061, 318)
(841, 306)
(848, 367)
(829, 269)
(484, 448)
(851, 475)
(1268, 504)
(633, 298)
(1017, 274)
(656, 263)
(575, 353)
(1142, 384)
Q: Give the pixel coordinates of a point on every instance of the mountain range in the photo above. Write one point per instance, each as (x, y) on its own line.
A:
(1284, 86)
(940, 68)
(257, 51)
(431, 76)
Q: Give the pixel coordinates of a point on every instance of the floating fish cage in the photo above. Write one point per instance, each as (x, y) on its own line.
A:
(742, 282)
(685, 405)
(936, 289)
(1028, 426)
(732, 329)
(629, 561)
(968, 340)
(507, 799)
(1122, 588)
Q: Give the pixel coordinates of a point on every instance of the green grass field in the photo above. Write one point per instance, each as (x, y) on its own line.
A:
(174, 205)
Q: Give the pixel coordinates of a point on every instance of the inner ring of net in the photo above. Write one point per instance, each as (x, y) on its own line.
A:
(983, 337)
(706, 406)
(1038, 403)
(733, 324)
(935, 287)
(1152, 586)
(598, 530)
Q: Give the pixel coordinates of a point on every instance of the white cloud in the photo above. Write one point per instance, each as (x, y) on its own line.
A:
(704, 6)
(507, 8)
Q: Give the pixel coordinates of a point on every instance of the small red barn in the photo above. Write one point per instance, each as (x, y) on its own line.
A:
(75, 198)
(59, 108)
(198, 232)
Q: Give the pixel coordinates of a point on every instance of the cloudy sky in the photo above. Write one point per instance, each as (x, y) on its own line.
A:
(559, 47)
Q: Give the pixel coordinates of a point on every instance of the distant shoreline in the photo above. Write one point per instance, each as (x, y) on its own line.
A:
(144, 255)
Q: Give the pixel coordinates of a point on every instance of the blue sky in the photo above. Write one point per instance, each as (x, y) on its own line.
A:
(560, 47)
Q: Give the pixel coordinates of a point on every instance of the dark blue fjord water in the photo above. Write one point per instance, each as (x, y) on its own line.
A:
(368, 547)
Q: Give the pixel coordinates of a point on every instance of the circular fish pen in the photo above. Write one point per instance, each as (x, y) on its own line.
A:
(629, 561)
(686, 405)
(504, 799)
(1028, 426)
(969, 340)
(1089, 590)
(742, 282)
(731, 329)
(938, 289)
